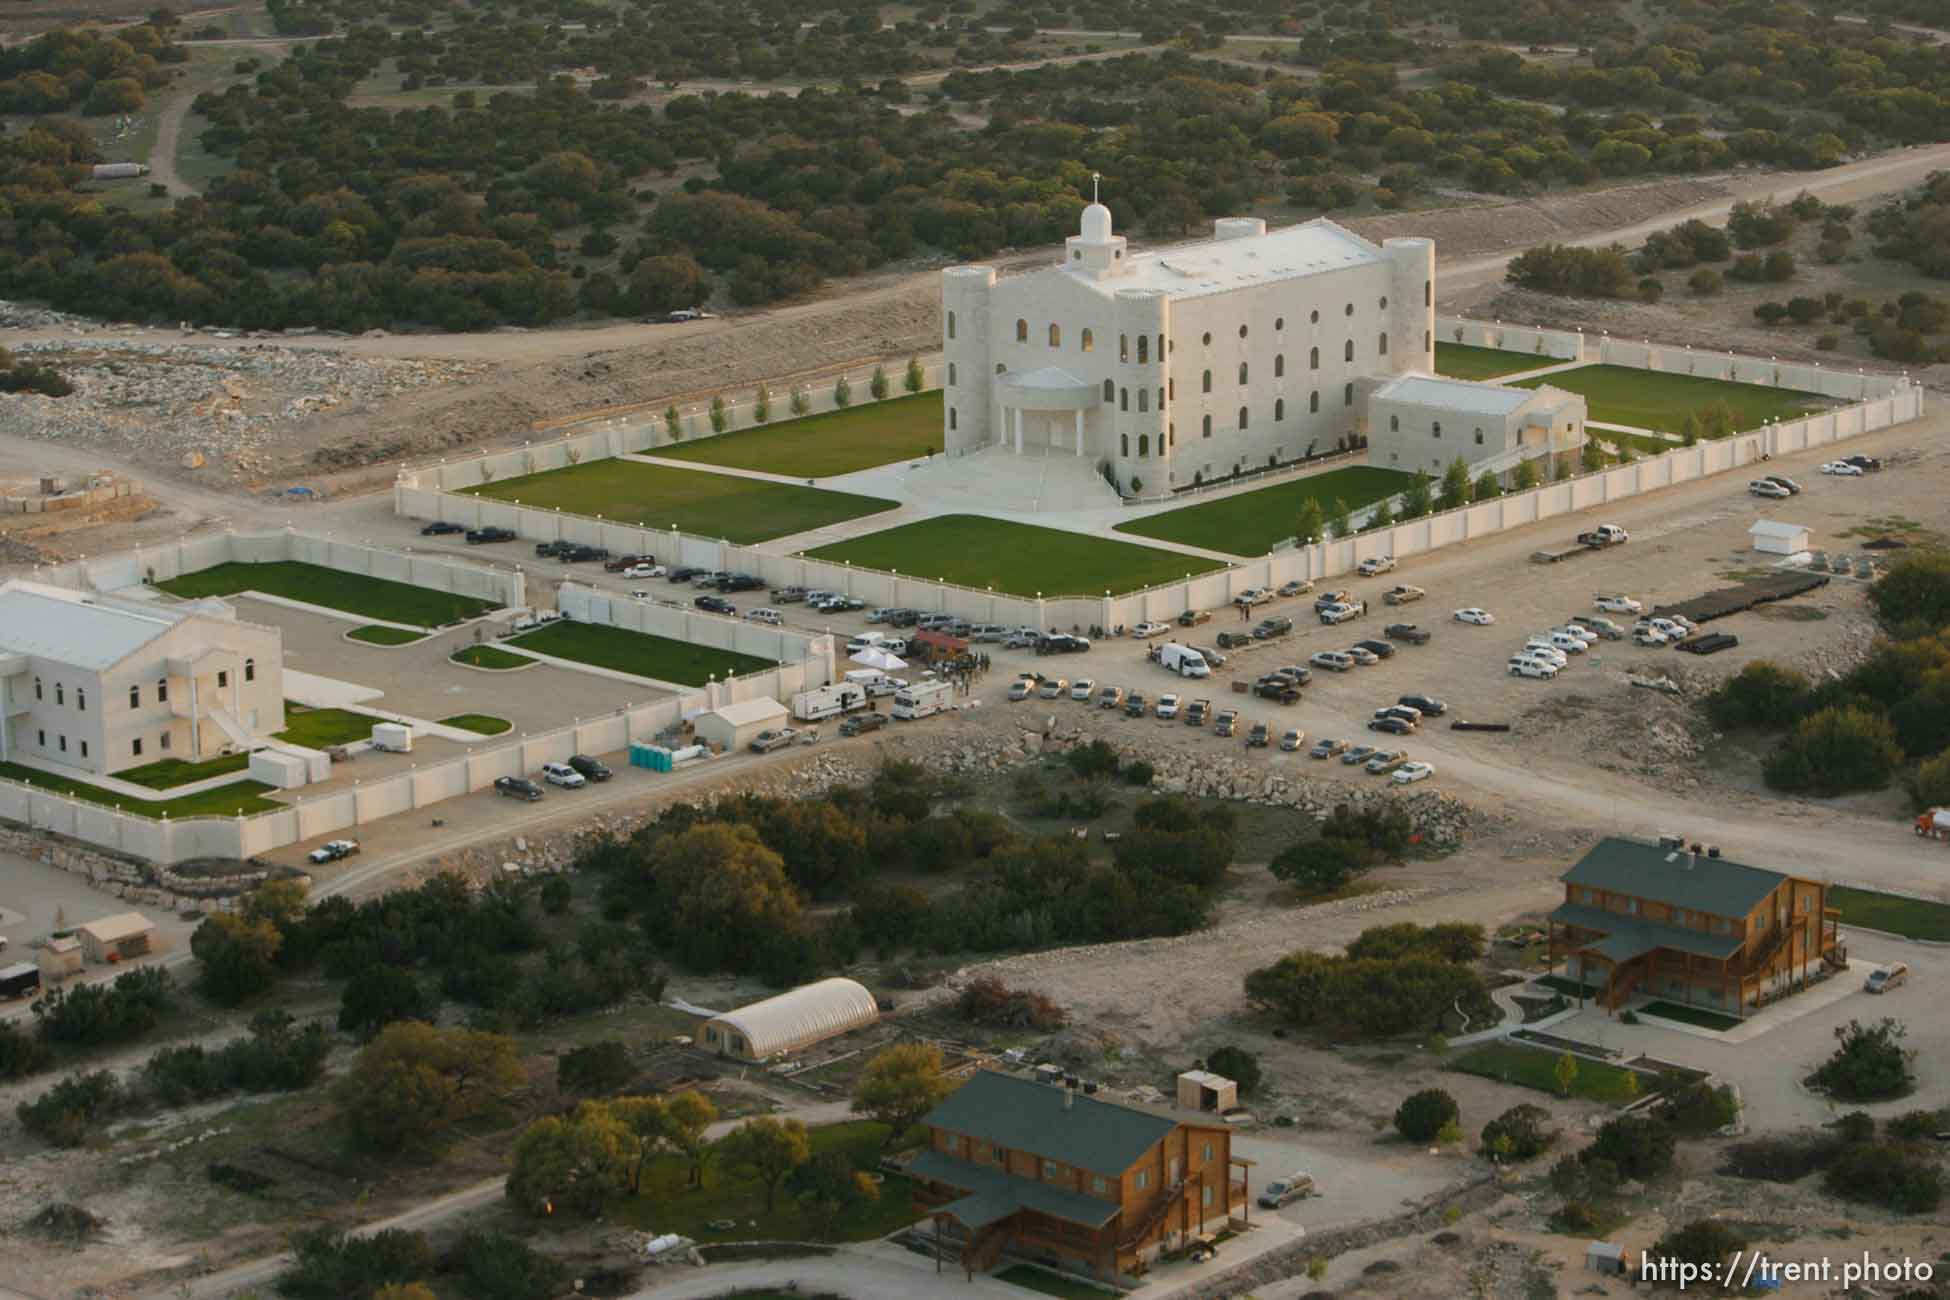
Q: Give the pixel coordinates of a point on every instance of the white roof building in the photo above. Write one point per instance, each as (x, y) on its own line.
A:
(1424, 421)
(1773, 537)
(731, 727)
(792, 1021)
(87, 629)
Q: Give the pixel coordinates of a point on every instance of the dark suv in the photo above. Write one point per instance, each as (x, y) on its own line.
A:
(861, 723)
(592, 769)
(618, 563)
(492, 534)
(517, 787)
(1268, 628)
(741, 582)
(1408, 632)
(580, 553)
(715, 605)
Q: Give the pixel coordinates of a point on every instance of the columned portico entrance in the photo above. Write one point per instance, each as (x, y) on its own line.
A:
(1044, 410)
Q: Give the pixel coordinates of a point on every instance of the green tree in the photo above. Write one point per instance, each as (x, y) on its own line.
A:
(646, 1121)
(915, 379)
(1456, 487)
(800, 402)
(1704, 1242)
(329, 1264)
(379, 994)
(691, 1113)
(762, 404)
(1565, 1073)
(1486, 488)
(877, 384)
(1320, 866)
(21, 1053)
(1835, 750)
(571, 1163)
(719, 416)
(842, 392)
(1641, 1147)
(236, 958)
(1426, 1113)
(900, 1085)
(1913, 594)
(597, 1068)
(1308, 525)
(1689, 430)
(673, 427)
(719, 897)
(1870, 1063)
(1382, 516)
(1591, 456)
(1418, 496)
(1930, 788)
(1520, 1133)
(1340, 522)
(829, 1182)
(1762, 694)
(1524, 477)
(1238, 1065)
(767, 1148)
(409, 1086)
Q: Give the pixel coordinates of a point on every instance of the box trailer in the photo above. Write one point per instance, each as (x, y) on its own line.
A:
(923, 698)
(19, 980)
(393, 737)
(828, 701)
(874, 682)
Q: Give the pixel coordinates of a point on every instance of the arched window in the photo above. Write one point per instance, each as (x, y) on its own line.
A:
(37, 688)
(162, 690)
(951, 374)
(1123, 347)
(1347, 395)
(1242, 372)
(1436, 428)
(1313, 358)
(1384, 302)
(1144, 349)
(1350, 309)
(1123, 399)
(951, 419)
(1110, 390)
(1001, 369)
(1313, 402)
(1207, 430)
(1279, 322)
(1394, 424)
(1314, 318)
(1428, 293)
(1161, 347)
(1126, 448)
(1022, 330)
(1208, 338)
(1144, 399)
(1171, 385)
(135, 692)
(1279, 409)
(951, 324)
(81, 698)
(1161, 399)
(1479, 437)
(1347, 353)
(1279, 364)
(1144, 445)
(1428, 341)
(1242, 331)
(1384, 345)
(1089, 341)
(1171, 434)
(250, 670)
(1242, 417)
(60, 693)
(1208, 381)
(1055, 335)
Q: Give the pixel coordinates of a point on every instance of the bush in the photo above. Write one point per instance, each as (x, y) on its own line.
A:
(1704, 1242)
(1096, 759)
(89, 1015)
(497, 1266)
(988, 1001)
(379, 994)
(1641, 1148)
(595, 1069)
(329, 1265)
(1889, 1174)
(1425, 1114)
(1238, 1065)
(1520, 1133)
(1702, 1108)
(21, 1053)
(1704, 283)
(274, 1058)
(1763, 694)
(1834, 751)
(1781, 1157)
(1320, 866)
(1915, 1126)
(1372, 996)
(1870, 1063)
(1454, 941)
(1914, 592)
(69, 1111)
(556, 893)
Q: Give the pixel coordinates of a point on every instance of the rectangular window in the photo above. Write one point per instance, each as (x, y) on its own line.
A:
(1205, 1152)
(1206, 1197)
(81, 698)
(1052, 1170)
(162, 691)
(60, 693)
(64, 744)
(42, 741)
(135, 747)
(1143, 1179)
(1100, 1185)
(84, 749)
(223, 680)
(164, 742)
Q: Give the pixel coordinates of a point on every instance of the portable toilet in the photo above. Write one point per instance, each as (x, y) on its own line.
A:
(1605, 1258)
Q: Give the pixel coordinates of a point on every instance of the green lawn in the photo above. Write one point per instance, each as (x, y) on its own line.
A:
(396, 602)
(1021, 559)
(1462, 361)
(1249, 523)
(324, 728)
(380, 634)
(1912, 918)
(1035, 1279)
(485, 724)
(656, 657)
(664, 1204)
(837, 442)
(1535, 1067)
(1686, 1015)
(487, 656)
(1652, 399)
(168, 773)
(224, 801)
(695, 501)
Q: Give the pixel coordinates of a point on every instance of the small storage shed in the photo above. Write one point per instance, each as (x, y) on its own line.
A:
(1204, 1090)
(1771, 537)
(58, 959)
(1604, 1257)
(731, 727)
(792, 1021)
(19, 979)
(120, 937)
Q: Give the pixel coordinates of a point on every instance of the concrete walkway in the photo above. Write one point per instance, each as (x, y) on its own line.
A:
(1600, 425)
(1539, 372)
(644, 458)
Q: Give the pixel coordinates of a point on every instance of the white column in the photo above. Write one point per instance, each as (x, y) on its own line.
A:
(1015, 417)
(1079, 415)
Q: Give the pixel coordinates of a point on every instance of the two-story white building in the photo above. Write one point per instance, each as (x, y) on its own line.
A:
(1196, 361)
(101, 683)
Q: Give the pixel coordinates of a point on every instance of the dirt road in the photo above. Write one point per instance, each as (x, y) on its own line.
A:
(162, 159)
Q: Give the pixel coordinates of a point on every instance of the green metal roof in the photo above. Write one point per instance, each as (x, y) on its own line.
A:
(1627, 937)
(994, 1195)
(1023, 1115)
(1716, 886)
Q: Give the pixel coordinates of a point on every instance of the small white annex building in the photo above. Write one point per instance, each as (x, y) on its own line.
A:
(792, 1021)
(99, 683)
(1772, 537)
(1425, 422)
(120, 937)
(731, 727)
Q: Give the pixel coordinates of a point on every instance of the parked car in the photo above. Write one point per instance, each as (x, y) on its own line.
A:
(1480, 617)
(563, 775)
(1291, 739)
(1252, 596)
(1344, 611)
(1053, 688)
(1326, 598)
(773, 738)
(628, 560)
(441, 528)
(1617, 604)
(1020, 640)
(333, 850)
(1427, 705)
(1403, 595)
(1277, 688)
(1379, 649)
(1062, 643)
(1146, 630)
(1786, 482)
(715, 605)
(1337, 661)
(1019, 689)
(1603, 627)
(1843, 468)
(683, 572)
(1884, 978)
(1297, 587)
(1195, 713)
(1268, 628)
(1227, 721)
(1409, 773)
(1282, 1191)
(517, 787)
(1110, 697)
(1383, 763)
(644, 571)
(1357, 754)
(794, 595)
(1394, 726)
(1408, 632)
(592, 769)
(742, 582)
(543, 550)
(1761, 487)
(1167, 706)
(1366, 658)
(1327, 748)
(1375, 565)
(1525, 666)
(1135, 705)
(1082, 689)
(1298, 675)
(1193, 617)
(1870, 463)
(582, 554)
(1539, 648)
(1258, 737)
(861, 723)
(482, 536)
(1650, 636)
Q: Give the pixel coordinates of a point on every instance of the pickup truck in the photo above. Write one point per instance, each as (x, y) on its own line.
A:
(767, 741)
(1228, 722)
(1604, 535)
(1377, 565)
(1193, 617)
(1258, 737)
(1402, 595)
(1341, 613)
(1197, 712)
(1408, 632)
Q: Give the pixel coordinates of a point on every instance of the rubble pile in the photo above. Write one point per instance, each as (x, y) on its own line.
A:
(198, 404)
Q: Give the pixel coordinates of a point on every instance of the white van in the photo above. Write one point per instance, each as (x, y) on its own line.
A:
(1525, 666)
(1183, 660)
(1571, 645)
(769, 617)
(874, 682)
(864, 641)
(985, 632)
